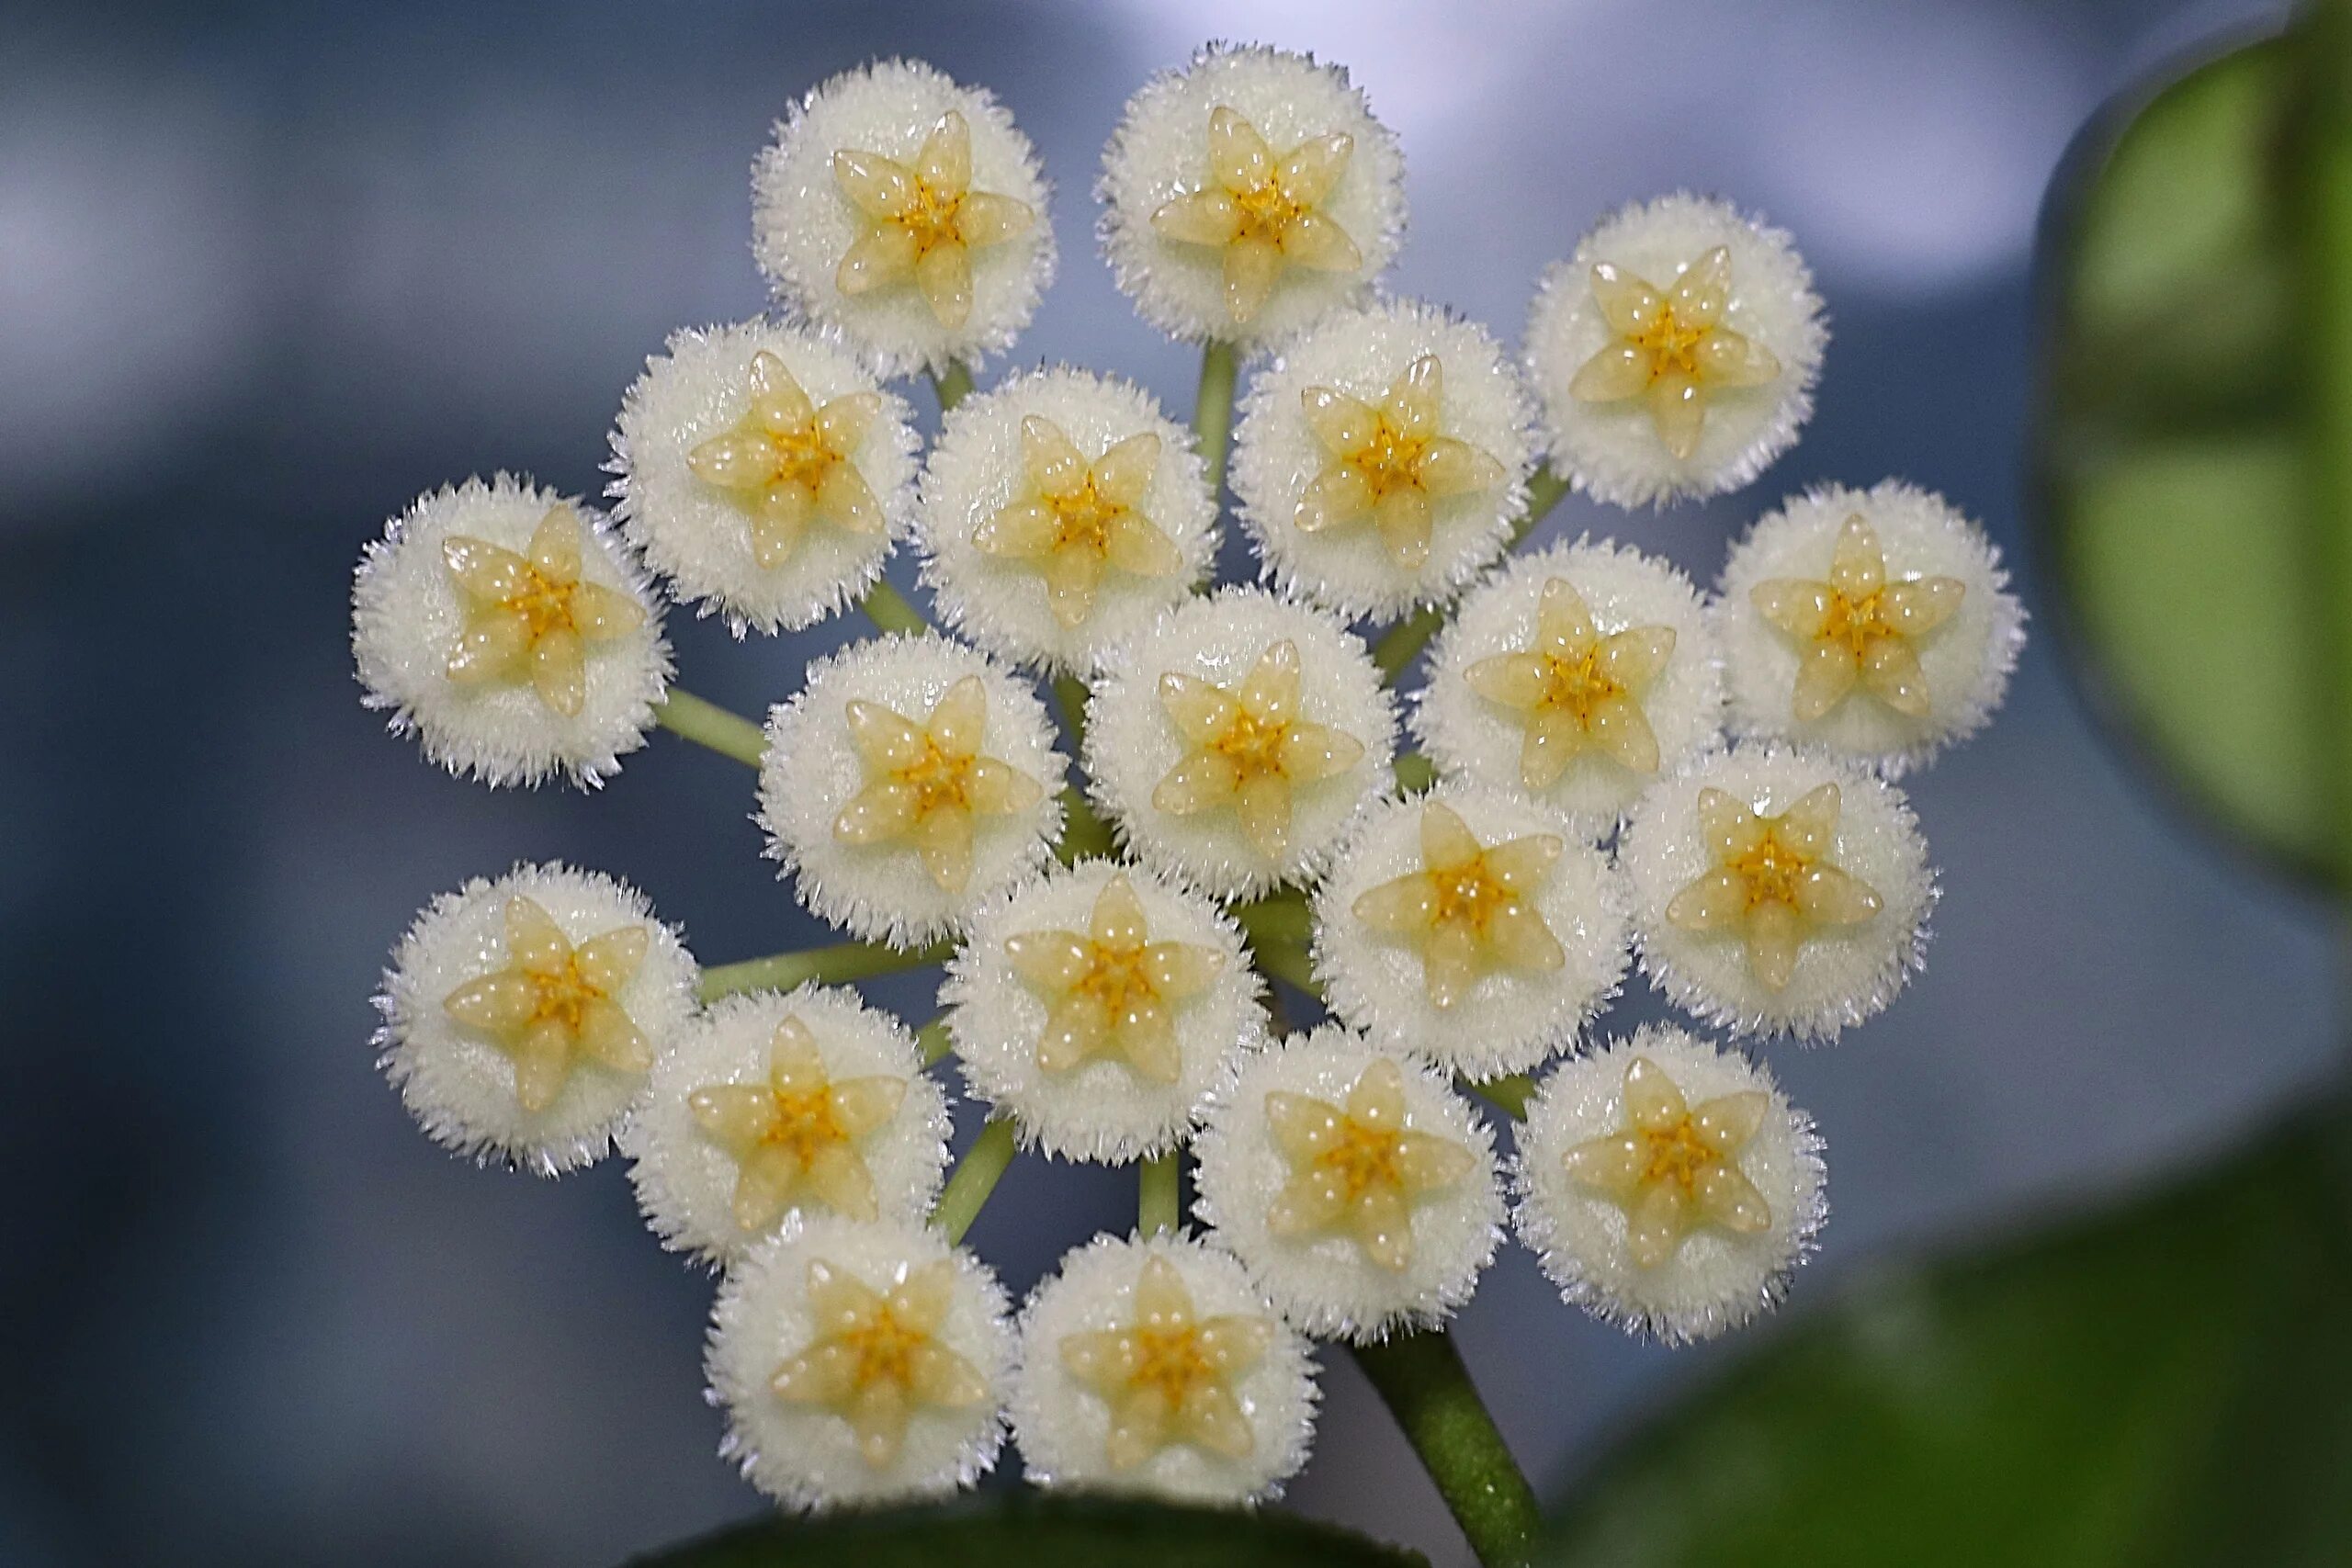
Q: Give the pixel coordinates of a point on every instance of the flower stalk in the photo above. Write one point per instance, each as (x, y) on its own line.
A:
(892, 612)
(833, 966)
(1422, 1380)
(1160, 1195)
(706, 723)
(975, 1177)
(1213, 409)
(953, 384)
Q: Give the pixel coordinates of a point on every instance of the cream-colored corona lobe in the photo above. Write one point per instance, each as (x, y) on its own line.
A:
(927, 781)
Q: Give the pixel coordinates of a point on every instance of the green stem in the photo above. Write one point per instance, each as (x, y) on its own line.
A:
(1159, 1193)
(1084, 833)
(2325, 168)
(975, 1177)
(1414, 772)
(933, 1043)
(832, 965)
(1071, 696)
(1510, 1093)
(1213, 410)
(1278, 917)
(1289, 963)
(1409, 637)
(953, 384)
(706, 723)
(891, 611)
(1422, 1379)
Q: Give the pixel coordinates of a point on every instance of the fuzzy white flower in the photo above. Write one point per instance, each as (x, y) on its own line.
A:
(1675, 352)
(1154, 1366)
(1875, 623)
(1380, 461)
(1234, 741)
(1358, 1189)
(763, 472)
(1778, 891)
(509, 628)
(906, 212)
(772, 1103)
(1247, 193)
(1462, 927)
(1668, 1186)
(1576, 676)
(521, 1015)
(1058, 511)
(911, 779)
(859, 1363)
(1101, 1008)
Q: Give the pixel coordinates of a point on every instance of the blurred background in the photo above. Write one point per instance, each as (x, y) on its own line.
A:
(268, 271)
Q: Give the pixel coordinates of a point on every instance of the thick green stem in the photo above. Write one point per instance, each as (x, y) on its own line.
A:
(933, 1043)
(953, 384)
(975, 1177)
(891, 611)
(1409, 637)
(833, 966)
(1159, 1193)
(706, 723)
(1213, 410)
(1422, 1379)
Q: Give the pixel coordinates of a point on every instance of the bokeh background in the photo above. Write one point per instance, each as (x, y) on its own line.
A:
(268, 270)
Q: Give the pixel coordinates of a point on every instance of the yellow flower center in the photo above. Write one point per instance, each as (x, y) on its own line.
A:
(1577, 689)
(1168, 1379)
(1111, 989)
(1671, 347)
(925, 784)
(528, 616)
(553, 1003)
(881, 1357)
(1262, 212)
(1674, 1166)
(923, 220)
(1468, 908)
(1857, 627)
(1773, 883)
(1248, 747)
(1358, 1169)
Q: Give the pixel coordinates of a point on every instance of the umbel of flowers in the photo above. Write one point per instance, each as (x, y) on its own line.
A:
(1238, 819)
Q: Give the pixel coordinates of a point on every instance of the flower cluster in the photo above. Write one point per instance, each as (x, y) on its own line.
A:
(1605, 767)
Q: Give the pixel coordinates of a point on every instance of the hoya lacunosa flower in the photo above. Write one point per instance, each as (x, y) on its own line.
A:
(1777, 892)
(1464, 927)
(1877, 623)
(521, 1015)
(1575, 677)
(1154, 1366)
(1358, 1189)
(770, 1104)
(1247, 193)
(1380, 461)
(907, 213)
(1234, 740)
(1668, 1186)
(1058, 511)
(507, 626)
(859, 1362)
(1101, 1008)
(909, 780)
(763, 472)
(1675, 351)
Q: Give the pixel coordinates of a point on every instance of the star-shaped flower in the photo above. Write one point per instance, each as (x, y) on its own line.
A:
(924, 784)
(1261, 209)
(923, 220)
(1358, 1169)
(1671, 349)
(1468, 908)
(1081, 517)
(552, 1005)
(1169, 1379)
(798, 1134)
(1389, 463)
(1772, 882)
(1112, 989)
(1577, 688)
(1249, 748)
(787, 462)
(876, 1358)
(530, 617)
(1675, 1167)
(1857, 626)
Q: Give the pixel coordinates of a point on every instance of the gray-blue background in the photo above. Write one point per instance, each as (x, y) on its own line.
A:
(267, 271)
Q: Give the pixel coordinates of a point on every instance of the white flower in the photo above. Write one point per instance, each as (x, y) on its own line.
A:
(521, 1015)
(1153, 1366)
(774, 1103)
(1101, 1008)
(1667, 1186)
(507, 626)
(907, 213)
(1875, 623)
(763, 472)
(1360, 1189)
(1777, 892)
(859, 1363)
(1059, 510)
(1675, 352)
(1462, 928)
(911, 779)
(1380, 462)
(1234, 740)
(1576, 676)
(1247, 193)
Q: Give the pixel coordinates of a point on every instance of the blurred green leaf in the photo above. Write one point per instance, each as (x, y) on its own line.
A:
(2169, 1384)
(1032, 1529)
